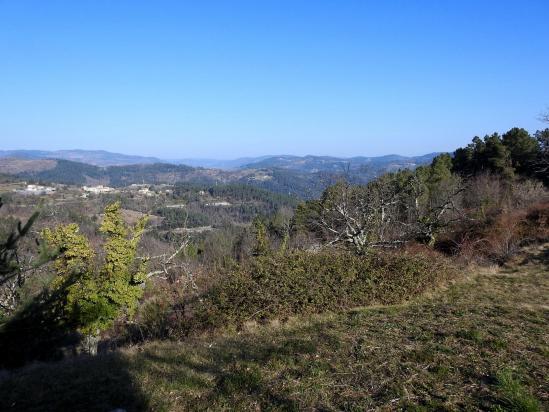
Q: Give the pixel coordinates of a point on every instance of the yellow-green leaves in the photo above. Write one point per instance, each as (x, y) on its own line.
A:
(75, 252)
(113, 224)
(96, 295)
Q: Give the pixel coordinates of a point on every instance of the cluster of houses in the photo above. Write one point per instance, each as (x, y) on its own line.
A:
(37, 190)
(32, 189)
(140, 189)
(97, 189)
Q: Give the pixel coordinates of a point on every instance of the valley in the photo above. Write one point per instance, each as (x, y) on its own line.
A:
(303, 177)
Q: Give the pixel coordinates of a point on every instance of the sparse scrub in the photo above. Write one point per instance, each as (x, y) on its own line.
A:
(537, 221)
(504, 237)
(501, 236)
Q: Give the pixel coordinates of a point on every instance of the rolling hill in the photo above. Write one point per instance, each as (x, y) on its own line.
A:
(92, 157)
(314, 164)
(305, 176)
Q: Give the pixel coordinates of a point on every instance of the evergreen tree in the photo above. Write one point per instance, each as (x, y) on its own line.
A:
(94, 298)
(516, 152)
(478, 160)
(497, 157)
(261, 247)
(462, 162)
(523, 150)
(440, 169)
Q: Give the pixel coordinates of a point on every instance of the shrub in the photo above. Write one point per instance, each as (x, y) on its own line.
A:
(537, 222)
(504, 236)
(500, 236)
(299, 282)
(159, 316)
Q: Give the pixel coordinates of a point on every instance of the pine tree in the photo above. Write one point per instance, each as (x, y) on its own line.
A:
(497, 157)
(523, 150)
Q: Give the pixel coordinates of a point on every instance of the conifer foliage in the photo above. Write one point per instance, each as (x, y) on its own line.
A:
(8, 248)
(96, 296)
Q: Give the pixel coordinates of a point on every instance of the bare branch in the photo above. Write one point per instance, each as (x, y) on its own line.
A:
(544, 116)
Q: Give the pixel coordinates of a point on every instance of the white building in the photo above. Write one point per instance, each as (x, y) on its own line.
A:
(218, 204)
(145, 191)
(97, 189)
(38, 190)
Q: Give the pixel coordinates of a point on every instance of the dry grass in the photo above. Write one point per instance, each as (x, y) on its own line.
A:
(480, 344)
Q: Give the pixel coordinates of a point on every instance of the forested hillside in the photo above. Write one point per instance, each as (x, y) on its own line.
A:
(75, 173)
(303, 177)
(375, 165)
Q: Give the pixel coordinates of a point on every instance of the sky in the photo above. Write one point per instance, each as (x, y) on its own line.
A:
(207, 79)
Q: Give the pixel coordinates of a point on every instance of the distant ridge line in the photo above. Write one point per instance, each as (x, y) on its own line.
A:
(103, 158)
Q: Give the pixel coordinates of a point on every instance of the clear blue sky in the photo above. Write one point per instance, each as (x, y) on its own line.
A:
(231, 78)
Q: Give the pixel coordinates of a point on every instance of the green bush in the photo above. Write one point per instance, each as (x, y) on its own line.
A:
(299, 282)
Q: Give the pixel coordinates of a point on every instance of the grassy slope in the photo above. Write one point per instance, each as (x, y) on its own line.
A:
(483, 343)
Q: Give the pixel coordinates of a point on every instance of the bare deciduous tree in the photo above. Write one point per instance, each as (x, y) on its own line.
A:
(387, 212)
(168, 262)
(359, 217)
(544, 116)
(173, 266)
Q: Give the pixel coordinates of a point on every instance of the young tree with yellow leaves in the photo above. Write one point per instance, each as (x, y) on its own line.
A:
(96, 296)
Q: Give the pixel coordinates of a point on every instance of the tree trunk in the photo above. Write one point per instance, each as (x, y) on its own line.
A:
(89, 344)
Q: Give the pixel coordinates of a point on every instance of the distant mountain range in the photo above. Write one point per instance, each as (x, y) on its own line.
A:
(302, 176)
(307, 164)
(219, 163)
(313, 164)
(92, 157)
(103, 158)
